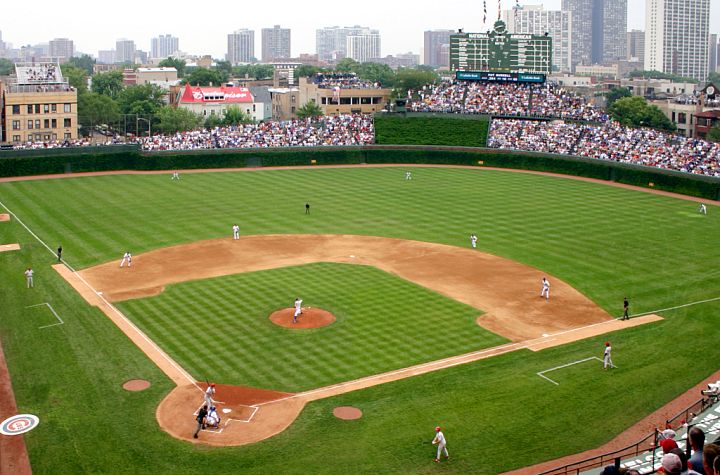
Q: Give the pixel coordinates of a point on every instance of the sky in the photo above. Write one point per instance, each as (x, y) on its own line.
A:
(203, 27)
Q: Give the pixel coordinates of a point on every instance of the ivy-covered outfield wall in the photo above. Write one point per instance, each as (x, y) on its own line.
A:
(75, 160)
(431, 129)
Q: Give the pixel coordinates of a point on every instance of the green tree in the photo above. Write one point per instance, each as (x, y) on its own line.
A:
(224, 67)
(234, 115)
(714, 134)
(141, 99)
(617, 93)
(7, 67)
(95, 109)
(636, 112)
(176, 63)
(84, 62)
(306, 71)
(660, 75)
(212, 121)
(309, 109)
(108, 84)
(76, 77)
(714, 78)
(346, 65)
(376, 73)
(171, 120)
(406, 79)
(205, 77)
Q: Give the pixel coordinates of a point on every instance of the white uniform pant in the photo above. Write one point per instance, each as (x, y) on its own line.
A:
(545, 293)
(124, 260)
(236, 234)
(607, 361)
(441, 449)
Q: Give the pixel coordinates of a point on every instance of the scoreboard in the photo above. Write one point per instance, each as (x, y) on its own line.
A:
(500, 51)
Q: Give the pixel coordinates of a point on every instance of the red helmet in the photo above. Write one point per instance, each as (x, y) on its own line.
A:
(437, 429)
(212, 385)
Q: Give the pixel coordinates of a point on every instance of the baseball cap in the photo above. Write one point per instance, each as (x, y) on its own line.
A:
(667, 445)
(212, 385)
(671, 464)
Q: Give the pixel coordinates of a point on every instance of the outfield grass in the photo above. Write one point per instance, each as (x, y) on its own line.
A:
(219, 329)
(497, 413)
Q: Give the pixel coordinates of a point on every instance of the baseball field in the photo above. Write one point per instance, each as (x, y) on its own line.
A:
(209, 314)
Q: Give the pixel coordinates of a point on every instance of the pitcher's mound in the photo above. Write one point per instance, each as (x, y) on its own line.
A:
(309, 318)
(136, 385)
(347, 413)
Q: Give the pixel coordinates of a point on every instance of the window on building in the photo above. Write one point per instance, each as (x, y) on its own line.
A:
(54, 123)
(67, 122)
(30, 124)
(30, 108)
(16, 138)
(46, 137)
(46, 108)
(67, 108)
(68, 135)
(344, 100)
(16, 125)
(292, 98)
(682, 118)
(37, 123)
(53, 108)
(46, 125)
(16, 109)
(292, 110)
(323, 100)
(356, 100)
(365, 100)
(37, 108)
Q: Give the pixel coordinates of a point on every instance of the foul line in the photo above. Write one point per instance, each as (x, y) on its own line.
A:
(52, 310)
(542, 375)
(106, 302)
(676, 307)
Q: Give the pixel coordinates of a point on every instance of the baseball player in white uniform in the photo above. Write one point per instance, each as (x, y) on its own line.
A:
(209, 393)
(473, 240)
(408, 175)
(212, 419)
(298, 309)
(127, 258)
(439, 440)
(236, 231)
(29, 277)
(703, 209)
(175, 176)
(607, 359)
(545, 292)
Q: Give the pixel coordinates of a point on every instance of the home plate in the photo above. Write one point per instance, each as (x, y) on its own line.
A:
(226, 410)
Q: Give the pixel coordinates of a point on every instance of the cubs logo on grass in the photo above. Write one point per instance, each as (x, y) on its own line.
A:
(19, 424)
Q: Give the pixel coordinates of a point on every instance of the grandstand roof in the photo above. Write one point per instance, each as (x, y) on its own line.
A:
(199, 94)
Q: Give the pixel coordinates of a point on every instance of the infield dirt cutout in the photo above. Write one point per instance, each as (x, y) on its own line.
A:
(507, 291)
(136, 385)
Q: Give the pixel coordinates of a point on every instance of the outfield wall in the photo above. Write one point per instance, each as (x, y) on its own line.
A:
(90, 159)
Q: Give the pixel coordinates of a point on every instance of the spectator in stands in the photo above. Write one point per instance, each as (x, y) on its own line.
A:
(671, 464)
(711, 454)
(667, 445)
(696, 437)
(684, 462)
(613, 470)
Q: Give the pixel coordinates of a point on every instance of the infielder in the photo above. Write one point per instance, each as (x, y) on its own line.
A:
(439, 440)
(473, 240)
(703, 209)
(236, 232)
(607, 359)
(209, 393)
(545, 292)
(298, 309)
(127, 257)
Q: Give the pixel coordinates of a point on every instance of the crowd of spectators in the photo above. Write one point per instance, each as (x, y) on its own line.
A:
(343, 81)
(504, 99)
(348, 129)
(39, 74)
(53, 144)
(608, 141)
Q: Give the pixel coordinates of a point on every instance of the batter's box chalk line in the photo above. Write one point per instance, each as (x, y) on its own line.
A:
(542, 373)
(60, 322)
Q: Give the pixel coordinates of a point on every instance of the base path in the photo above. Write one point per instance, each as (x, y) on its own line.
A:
(509, 292)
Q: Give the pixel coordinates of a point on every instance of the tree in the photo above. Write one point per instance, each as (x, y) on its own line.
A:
(95, 109)
(660, 75)
(7, 67)
(84, 62)
(346, 65)
(617, 93)
(205, 77)
(224, 67)
(309, 109)
(306, 71)
(173, 119)
(636, 112)
(376, 73)
(234, 115)
(109, 84)
(406, 79)
(256, 71)
(76, 77)
(176, 63)
(212, 121)
(714, 134)
(141, 99)
(714, 78)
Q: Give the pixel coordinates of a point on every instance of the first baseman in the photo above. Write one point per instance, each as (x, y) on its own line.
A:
(439, 440)
(545, 292)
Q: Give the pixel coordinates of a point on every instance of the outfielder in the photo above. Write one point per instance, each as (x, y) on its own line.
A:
(545, 292)
(175, 176)
(298, 309)
(408, 175)
(703, 209)
(209, 393)
(127, 257)
(607, 359)
(236, 231)
(473, 240)
(439, 440)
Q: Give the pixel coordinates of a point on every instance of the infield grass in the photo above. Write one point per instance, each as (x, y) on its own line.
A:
(497, 413)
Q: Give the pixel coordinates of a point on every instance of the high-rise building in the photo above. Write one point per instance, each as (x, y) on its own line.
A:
(106, 56)
(164, 46)
(124, 51)
(534, 20)
(275, 43)
(62, 49)
(712, 53)
(241, 46)
(433, 47)
(676, 37)
(331, 42)
(599, 30)
(636, 45)
(364, 47)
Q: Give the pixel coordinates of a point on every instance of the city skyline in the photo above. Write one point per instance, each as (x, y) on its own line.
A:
(201, 34)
